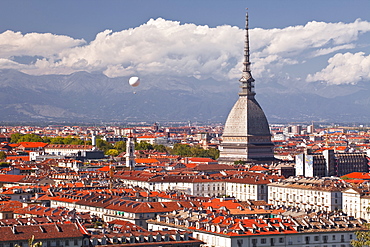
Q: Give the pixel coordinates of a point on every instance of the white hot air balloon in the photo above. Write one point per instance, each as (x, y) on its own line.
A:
(134, 81)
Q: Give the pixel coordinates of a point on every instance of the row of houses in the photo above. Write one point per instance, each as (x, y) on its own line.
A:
(309, 230)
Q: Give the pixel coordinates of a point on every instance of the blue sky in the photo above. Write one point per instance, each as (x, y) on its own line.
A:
(60, 37)
(85, 18)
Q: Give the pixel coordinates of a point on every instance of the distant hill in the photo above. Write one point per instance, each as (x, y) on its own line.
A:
(93, 97)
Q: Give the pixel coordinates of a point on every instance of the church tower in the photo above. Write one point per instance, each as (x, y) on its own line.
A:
(246, 135)
(130, 152)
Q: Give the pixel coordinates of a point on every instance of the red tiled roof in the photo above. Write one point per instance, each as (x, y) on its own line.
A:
(14, 145)
(357, 175)
(18, 157)
(10, 205)
(40, 232)
(6, 178)
(145, 137)
(258, 168)
(197, 159)
(33, 144)
(104, 169)
(68, 146)
(146, 160)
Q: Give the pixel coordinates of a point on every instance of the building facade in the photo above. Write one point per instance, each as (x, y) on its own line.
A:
(307, 194)
(310, 230)
(356, 202)
(330, 163)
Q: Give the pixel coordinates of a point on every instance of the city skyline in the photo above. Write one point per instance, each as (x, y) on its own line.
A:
(309, 42)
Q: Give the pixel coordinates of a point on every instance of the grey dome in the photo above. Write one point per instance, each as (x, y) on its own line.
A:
(246, 118)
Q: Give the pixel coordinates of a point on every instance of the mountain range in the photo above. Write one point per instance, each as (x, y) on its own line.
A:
(84, 97)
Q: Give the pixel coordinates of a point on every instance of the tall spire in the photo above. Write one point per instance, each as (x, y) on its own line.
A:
(246, 136)
(247, 79)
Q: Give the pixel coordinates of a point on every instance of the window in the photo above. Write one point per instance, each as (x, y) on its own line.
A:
(333, 237)
(325, 239)
(281, 240)
(75, 242)
(239, 242)
(307, 239)
(67, 243)
(316, 238)
(272, 241)
(290, 241)
(350, 236)
(263, 240)
(254, 242)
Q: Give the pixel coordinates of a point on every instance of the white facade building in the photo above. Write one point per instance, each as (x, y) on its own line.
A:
(67, 149)
(306, 193)
(330, 230)
(243, 186)
(356, 202)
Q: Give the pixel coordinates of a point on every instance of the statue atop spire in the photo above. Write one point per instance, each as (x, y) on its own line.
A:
(247, 79)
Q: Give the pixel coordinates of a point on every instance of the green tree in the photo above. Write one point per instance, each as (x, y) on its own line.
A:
(182, 150)
(239, 162)
(4, 164)
(74, 141)
(112, 152)
(14, 138)
(213, 153)
(197, 151)
(30, 243)
(363, 237)
(2, 155)
(57, 140)
(120, 146)
(68, 140)
(103, 145)
(30, 138)
(143, 146)
(46, 139)
(160, 148)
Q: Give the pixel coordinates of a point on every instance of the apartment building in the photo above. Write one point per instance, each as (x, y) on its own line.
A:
(320, 194)
(309, 230)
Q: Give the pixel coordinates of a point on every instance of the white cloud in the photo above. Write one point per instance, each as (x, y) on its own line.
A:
(34, 44)
(9, 64)
(314, 35)
(166, 47)
(345, 68)
(325, 51)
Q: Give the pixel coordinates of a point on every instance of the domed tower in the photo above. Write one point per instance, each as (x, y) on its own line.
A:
(246, 135)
